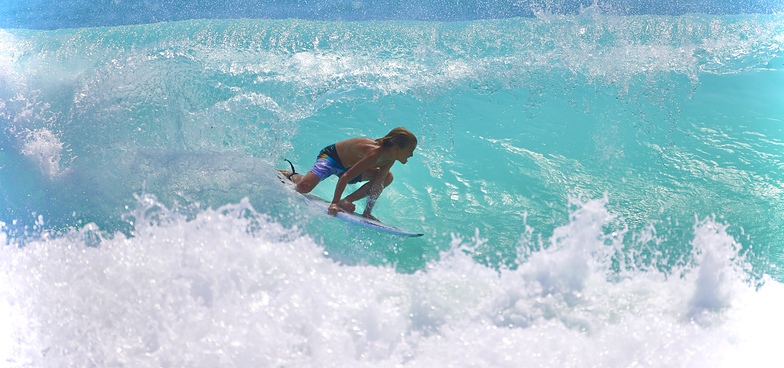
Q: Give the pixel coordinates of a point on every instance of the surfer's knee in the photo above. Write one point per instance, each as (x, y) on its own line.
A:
(307, 183)
(305, 187)
(388, 179)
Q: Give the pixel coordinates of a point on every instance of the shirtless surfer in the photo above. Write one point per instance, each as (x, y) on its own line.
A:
(356, 160)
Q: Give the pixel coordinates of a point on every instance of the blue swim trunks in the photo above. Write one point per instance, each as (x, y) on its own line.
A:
(328, 163)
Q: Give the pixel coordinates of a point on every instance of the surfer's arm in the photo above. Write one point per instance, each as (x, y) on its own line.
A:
(334, 207)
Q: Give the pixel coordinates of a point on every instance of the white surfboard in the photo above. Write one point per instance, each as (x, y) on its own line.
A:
(350, 217)
(355, 218)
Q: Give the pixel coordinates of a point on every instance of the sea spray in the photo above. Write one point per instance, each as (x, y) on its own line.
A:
(717, 255)
(230, 287)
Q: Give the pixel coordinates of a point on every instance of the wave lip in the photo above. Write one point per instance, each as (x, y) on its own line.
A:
(52, 14)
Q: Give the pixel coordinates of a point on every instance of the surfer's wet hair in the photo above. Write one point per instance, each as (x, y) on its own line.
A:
(399, 136)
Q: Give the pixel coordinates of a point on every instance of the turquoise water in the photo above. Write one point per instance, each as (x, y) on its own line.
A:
(595, 189)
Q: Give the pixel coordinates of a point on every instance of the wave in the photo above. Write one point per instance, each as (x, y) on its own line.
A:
(586, 183)
(198, 111)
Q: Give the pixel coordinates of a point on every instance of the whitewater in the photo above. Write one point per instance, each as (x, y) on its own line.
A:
(598, 187)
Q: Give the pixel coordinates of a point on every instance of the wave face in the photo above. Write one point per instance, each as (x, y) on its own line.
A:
(597, 187)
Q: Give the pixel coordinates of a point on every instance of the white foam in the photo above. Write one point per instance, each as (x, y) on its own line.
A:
(44, 148)
(233, 289)
(8, 58)
(716, 274)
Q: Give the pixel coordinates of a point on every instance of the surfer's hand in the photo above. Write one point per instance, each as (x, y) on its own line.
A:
(333, 209)
(347, 206)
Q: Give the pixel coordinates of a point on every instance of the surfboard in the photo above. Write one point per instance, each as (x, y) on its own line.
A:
(353, 217)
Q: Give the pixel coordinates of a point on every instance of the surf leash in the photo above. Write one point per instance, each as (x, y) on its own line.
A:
(292, 169)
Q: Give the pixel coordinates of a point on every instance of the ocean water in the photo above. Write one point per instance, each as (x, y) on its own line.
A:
(600, 184)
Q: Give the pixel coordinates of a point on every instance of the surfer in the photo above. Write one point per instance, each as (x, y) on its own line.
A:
(357, 160)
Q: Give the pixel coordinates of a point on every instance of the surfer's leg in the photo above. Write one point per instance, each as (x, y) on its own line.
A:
(305, 183)
(347, 206)
(366, 190)
(373, 195)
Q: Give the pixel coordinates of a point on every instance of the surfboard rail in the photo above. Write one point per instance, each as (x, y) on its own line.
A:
(355, 218)
(350, 217)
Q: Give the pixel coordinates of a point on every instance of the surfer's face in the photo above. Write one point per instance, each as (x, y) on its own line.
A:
(405, 152)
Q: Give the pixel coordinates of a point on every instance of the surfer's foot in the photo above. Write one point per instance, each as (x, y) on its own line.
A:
(369, 216)
(347, 206)
(289, 175)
